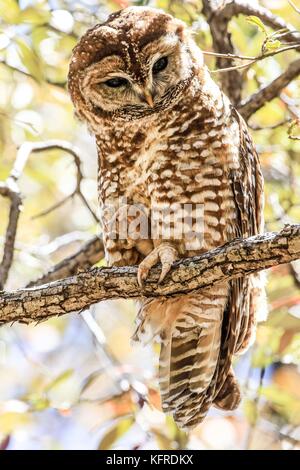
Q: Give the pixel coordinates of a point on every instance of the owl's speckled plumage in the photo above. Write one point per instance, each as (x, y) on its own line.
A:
(187, 146)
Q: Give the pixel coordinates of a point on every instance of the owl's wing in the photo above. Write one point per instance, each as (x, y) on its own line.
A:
(240, 315)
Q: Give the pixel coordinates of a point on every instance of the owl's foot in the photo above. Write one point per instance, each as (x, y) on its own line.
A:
(164, 253)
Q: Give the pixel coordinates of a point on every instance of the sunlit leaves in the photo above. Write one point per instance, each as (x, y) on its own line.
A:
(61, 378)
(283, 402)
(11, 420)
(266, 346)
(251, 412)
(34, 16)
(29, 59)
(9, 11)
(272, 41)
(257, 22)
(115, 432)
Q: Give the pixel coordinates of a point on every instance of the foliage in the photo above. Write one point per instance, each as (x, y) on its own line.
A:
(61, 386)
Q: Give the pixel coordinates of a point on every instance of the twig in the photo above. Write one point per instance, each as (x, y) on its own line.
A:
(237, 258)
(61, 85)
(10, 190)
(251, 58)
(88, 255)
(237, 7)
(269, 92)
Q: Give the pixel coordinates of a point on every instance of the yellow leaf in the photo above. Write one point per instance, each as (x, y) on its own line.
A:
(115, 432)
(34, 16)
(9, 11)
(257, 22)
(29, 59)
(11, 420)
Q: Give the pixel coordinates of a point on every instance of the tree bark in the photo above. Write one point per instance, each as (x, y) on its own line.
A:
(237, 258)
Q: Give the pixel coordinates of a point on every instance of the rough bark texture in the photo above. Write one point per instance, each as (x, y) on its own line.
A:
(237, 258)
(232, 82)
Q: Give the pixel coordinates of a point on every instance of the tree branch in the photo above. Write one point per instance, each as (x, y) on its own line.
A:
(242, 7)
(237, 258)
(269, 92)
(88, 255)
(231, 81)
(10, 190)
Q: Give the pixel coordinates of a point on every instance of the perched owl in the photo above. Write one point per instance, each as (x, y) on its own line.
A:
(169, 142)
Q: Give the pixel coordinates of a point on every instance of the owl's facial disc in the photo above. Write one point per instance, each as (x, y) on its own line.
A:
(142, 83)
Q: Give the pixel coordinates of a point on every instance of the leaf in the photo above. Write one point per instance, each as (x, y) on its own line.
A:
(257, 22)
(115, 432)
(250, 410)
(59, 379)
(283, 402)
(38, 402)
(10, 11)
(34, 16)
(12, 420)
(272, 44)
(163, 441)
(90, 379)
(29, 59)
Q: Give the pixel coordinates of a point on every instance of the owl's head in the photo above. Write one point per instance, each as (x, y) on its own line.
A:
(135, 64)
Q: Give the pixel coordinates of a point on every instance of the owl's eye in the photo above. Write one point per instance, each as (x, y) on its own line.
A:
(116, 82)
(160, 65)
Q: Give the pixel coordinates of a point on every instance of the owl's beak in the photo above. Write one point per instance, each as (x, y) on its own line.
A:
(148, 98)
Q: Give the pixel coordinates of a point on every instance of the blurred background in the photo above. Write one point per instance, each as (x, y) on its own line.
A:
(76, 382)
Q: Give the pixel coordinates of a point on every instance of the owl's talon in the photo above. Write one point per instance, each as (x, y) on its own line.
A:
(165, 253)
(142, 275)
(164, 271)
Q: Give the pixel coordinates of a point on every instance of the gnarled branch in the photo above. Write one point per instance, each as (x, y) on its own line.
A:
(237, 258)
(269, 92)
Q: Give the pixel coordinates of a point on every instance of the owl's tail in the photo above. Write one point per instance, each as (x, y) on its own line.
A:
(189, 329)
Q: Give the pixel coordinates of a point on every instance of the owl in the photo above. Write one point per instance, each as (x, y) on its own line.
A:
(178, 175)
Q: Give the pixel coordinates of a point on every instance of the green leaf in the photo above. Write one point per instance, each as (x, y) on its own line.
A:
(115, 432)
(59, 379)
(257, 22)
(250, 410)
(10, 11)
(38, 402)
(29, 59)
(272, 44)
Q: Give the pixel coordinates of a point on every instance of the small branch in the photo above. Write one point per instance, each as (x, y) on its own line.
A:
(88, 255)
(237, 258)
(251, 60)
(269, 92)
(61, 85)
(242, 7)
(10, 190)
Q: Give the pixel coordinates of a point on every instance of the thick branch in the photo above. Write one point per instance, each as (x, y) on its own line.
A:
(237, 258)
(231, 81)
(242, 7)
(269, 92)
